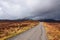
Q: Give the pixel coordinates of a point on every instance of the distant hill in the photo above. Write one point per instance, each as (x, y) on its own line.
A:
(49, 20)
(41, 20)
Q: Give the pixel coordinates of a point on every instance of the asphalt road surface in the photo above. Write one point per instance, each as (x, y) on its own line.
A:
(36, 33)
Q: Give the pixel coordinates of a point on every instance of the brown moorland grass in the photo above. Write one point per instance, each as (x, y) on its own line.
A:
(12, 28)
(52, 30)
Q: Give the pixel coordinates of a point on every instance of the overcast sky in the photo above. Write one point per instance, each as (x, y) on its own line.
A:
(18, 9)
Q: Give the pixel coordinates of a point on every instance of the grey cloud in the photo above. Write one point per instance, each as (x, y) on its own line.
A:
(19, 9)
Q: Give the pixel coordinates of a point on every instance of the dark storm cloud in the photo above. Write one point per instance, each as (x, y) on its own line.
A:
(19, 9)
(53, 13)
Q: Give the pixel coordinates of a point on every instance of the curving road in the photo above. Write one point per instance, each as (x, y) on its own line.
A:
(36, 33)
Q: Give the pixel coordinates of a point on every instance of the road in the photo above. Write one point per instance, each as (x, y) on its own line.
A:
(36, 33)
